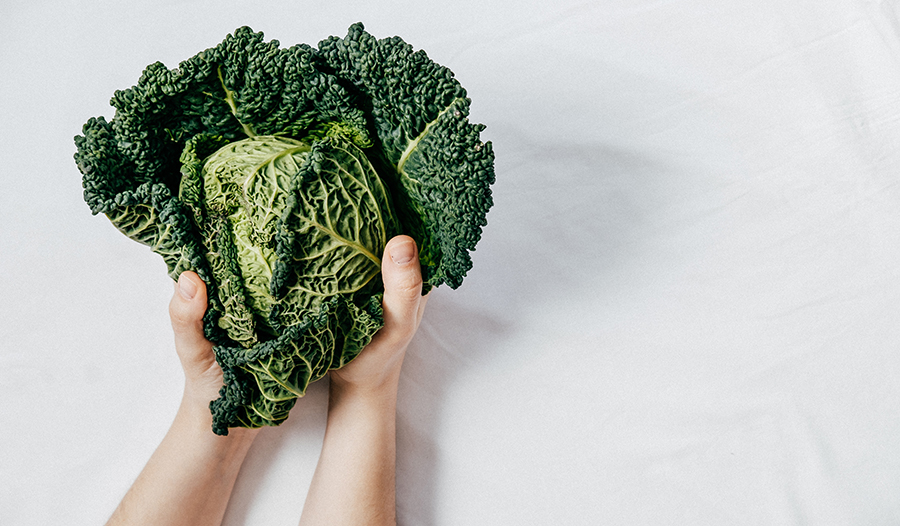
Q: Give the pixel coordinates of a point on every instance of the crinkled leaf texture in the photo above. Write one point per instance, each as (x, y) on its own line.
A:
(278, 175)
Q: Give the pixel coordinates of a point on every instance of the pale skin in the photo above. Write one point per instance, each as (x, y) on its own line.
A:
(189, 478)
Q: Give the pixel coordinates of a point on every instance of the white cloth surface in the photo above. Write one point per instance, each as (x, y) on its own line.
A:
(683, 310)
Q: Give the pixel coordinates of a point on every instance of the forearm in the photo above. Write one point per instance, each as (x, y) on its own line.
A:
(189, 478)
(355, 479)
(354, 482)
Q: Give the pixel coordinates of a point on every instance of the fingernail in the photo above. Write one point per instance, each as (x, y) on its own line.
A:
(403, 253)
(186, 287)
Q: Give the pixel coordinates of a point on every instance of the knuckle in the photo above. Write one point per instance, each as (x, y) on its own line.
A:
(180, 318)
(409, 287)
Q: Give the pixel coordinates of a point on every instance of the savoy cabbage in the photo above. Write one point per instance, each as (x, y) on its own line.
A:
(278, 175)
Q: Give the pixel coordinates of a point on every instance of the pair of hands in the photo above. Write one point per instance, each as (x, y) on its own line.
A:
(189, 478)
(377, 367)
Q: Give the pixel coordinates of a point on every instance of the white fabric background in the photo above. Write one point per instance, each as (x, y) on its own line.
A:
(683, 310)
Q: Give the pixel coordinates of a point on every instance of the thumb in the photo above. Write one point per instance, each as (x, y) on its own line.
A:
(402, 277)
(186, 310)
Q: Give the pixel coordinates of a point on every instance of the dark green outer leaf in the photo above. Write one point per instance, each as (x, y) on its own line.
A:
(440, 170)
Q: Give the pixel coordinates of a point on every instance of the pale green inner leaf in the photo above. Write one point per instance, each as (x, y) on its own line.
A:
(339, 215)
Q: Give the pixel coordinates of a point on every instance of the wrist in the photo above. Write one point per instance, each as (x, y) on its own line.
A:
(193, 427)
(199, 391)
(373, 400)
(373, 387)
(194, 416)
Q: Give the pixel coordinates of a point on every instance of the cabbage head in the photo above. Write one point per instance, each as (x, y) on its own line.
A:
(278, 175)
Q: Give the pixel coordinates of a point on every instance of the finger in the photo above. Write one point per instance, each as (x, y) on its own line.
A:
(402, 287)
(186, 310)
